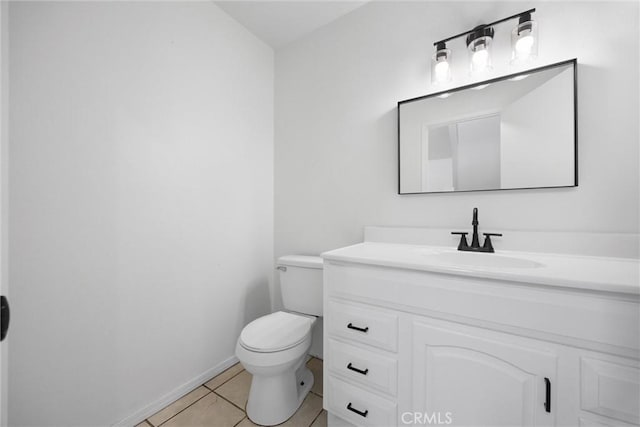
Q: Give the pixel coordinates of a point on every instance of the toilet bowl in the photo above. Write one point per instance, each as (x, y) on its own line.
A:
(274, 348)
(281, 379)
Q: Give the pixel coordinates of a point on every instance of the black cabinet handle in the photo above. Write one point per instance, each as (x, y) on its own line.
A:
(365, 329)
(352, 409)
(5, 316)
(360, 371)
(547, 402)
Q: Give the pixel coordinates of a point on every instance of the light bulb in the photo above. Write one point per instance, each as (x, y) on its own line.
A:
(480, 59)
(479, 44)
(524, 45)
(442, 71)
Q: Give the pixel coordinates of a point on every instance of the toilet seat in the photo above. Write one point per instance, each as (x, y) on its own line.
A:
(275, 332)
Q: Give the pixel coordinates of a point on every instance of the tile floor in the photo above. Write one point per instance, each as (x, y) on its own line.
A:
(221, 401)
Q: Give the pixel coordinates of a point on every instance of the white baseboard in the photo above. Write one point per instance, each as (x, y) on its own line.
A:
(144, 413)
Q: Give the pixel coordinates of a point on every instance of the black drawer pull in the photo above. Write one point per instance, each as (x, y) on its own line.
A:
(350, 326)
(352, 409)
(547, 401)
(360, 371)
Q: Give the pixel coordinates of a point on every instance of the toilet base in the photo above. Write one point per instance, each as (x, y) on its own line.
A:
(274, 399)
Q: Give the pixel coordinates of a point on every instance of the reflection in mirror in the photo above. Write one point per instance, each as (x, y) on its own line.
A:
(517, 132)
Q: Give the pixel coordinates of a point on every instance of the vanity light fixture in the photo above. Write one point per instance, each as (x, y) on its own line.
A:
(441, 64)
(524, 42)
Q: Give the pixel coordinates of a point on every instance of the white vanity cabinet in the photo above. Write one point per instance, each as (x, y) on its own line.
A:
(415, 347)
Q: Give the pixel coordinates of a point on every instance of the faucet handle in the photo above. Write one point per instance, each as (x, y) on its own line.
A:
(463, 239)
(488, 247)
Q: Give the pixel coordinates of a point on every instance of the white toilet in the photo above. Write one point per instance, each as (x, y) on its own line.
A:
(274, 348)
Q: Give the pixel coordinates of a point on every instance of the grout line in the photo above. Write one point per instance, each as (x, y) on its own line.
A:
(317, 416)
(246, 417)
(221, 384)
(224, 398)
(177, 413)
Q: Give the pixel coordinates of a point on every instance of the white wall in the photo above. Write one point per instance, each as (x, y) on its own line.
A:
(141, 200)
(336, 140)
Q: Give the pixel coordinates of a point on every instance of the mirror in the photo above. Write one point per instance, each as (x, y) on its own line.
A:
(512, 132)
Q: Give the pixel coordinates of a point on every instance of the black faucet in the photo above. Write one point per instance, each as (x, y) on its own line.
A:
(475, 242)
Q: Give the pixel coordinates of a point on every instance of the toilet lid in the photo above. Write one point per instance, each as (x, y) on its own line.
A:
(276, 331)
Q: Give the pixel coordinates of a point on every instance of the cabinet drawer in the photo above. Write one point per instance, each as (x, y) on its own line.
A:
(363, 366)
(370, 326)
(359, 406)
(610, 389)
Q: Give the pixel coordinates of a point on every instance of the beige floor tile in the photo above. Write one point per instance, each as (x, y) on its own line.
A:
(236, 390)
(177, 406)
(224, 377)
(315, 365)
(321, 421)
(211, 410)
(306, 413)
(143, 424)
(247, 423)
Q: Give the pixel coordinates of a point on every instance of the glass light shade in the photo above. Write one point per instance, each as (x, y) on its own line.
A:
(524, 42)
(441, 66)
(480, 55)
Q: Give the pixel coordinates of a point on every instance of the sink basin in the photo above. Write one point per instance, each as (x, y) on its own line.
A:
(478, 260)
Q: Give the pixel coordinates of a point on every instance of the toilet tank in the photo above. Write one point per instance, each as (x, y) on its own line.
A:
(301, 283)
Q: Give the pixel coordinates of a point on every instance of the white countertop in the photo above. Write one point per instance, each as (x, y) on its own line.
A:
(621, 275)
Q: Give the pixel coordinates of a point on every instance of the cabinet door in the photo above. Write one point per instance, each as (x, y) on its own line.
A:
(476, 377)
(610, 387)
